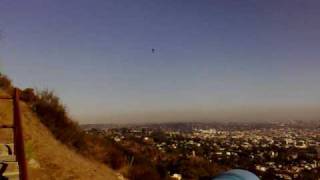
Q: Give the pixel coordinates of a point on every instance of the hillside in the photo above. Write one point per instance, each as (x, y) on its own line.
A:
(47, 157)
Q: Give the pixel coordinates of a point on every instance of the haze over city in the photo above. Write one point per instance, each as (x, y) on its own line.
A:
(159, 61)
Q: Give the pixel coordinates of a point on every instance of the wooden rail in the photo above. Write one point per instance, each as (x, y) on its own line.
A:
(18, 135)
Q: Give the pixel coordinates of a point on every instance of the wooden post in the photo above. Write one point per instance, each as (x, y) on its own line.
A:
(18, 136)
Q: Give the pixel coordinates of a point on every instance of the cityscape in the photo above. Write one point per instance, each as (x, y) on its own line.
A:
(160, 90)
(272, 151)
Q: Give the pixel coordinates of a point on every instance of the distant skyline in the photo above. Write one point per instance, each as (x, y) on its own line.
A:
(167, 60)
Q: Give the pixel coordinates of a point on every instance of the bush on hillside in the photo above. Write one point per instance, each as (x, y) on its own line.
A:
(5, 83)
(53, 115)
(28, 95)
(115, 158)
(141, 171)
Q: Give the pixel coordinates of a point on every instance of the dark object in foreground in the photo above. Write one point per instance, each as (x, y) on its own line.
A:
(236, 174)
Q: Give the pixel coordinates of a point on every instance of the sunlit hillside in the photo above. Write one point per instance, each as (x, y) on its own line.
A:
(48, 158)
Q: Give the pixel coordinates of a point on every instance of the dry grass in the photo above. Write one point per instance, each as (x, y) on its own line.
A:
(6, 118)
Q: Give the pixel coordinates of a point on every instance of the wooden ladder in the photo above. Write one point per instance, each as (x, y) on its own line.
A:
(13, 164)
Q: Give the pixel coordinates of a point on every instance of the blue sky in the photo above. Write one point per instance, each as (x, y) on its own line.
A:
(211, 56)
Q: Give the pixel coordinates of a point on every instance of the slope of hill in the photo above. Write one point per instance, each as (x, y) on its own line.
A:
(47, 157)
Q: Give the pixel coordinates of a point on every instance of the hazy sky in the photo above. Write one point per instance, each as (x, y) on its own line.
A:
(214, 59)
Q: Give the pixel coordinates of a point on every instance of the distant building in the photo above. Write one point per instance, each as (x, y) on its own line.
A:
(261, 168)
(318, 152)
(176, 176)
(301, 144)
